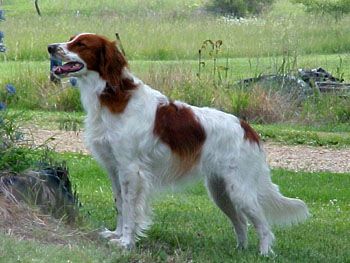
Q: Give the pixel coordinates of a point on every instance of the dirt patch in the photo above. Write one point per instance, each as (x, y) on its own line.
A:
(291, 157)
(307, 158)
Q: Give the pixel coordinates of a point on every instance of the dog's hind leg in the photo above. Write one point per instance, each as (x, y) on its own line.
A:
(245, 197)
(256, 216)
(217, 189)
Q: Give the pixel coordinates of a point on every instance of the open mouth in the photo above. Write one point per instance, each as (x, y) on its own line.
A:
(69, 67)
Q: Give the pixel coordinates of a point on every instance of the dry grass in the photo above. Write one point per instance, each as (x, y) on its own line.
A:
(24, 222)
(48, 189)
(263, 106)
(41, 205)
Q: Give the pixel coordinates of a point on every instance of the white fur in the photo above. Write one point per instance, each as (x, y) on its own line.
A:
(236, 172)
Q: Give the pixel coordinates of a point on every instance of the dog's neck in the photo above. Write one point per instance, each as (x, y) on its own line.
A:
(93, 90)
(91, 86)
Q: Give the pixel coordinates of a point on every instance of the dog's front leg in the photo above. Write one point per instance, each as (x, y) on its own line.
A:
(119, 206)
(103, 154)
(131, 187)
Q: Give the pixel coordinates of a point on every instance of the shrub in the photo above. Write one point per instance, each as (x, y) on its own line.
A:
(336, 8)
(262, 106)
(47, 186)
(13, 156)
(17, 150)
(239, 8)
(326, 109)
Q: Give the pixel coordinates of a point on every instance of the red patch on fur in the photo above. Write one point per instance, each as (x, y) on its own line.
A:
(178, 127)
(103, 56)
(117, 99)
(249, 133)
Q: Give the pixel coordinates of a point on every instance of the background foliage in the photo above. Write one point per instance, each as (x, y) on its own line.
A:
(336, 8)
(239, 8)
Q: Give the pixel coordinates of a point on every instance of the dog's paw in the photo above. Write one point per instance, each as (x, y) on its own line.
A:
(122, 243)
(266, 245)
(269, 253)
(242, 246)
(108, 234)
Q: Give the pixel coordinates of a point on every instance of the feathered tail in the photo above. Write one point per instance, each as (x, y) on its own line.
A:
(281, 210)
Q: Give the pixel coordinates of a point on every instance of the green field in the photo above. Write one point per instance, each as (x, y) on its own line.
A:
(170, 30)
(188, 226)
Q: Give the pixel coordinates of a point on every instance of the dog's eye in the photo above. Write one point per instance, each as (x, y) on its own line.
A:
(80, 44)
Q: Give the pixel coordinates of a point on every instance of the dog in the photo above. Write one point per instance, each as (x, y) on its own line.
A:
(145, 140)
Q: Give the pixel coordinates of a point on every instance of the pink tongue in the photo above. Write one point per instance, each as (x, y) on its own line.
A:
(68, 67)
(58, 70)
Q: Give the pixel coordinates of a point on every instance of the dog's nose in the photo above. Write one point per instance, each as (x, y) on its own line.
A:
(52, 48)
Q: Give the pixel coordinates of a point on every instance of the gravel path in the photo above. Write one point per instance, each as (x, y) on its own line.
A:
(291, 157)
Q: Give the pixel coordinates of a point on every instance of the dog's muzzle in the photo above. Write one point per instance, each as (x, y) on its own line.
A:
(52, 49)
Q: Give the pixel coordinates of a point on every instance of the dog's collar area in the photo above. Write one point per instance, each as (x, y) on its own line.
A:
(110, 87)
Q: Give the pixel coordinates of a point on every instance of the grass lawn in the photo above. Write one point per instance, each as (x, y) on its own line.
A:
(188, 226)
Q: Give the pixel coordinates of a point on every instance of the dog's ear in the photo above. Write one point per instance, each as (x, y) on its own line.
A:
(112, 64)
(116, 93)
(72, 37)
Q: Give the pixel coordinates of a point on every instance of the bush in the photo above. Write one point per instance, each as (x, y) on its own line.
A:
(239, 8)
(17, 150)
(336, 8)
(326, 109)
(262, 106)
(28, 172)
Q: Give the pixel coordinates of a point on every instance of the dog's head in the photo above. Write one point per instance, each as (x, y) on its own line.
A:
(89, 52)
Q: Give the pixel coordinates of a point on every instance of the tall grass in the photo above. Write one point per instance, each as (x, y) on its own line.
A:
(117, 7)
(163, 30)
(158, 34)
(179, 80)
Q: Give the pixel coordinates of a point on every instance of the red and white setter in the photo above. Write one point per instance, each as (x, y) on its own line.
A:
(145, 141)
